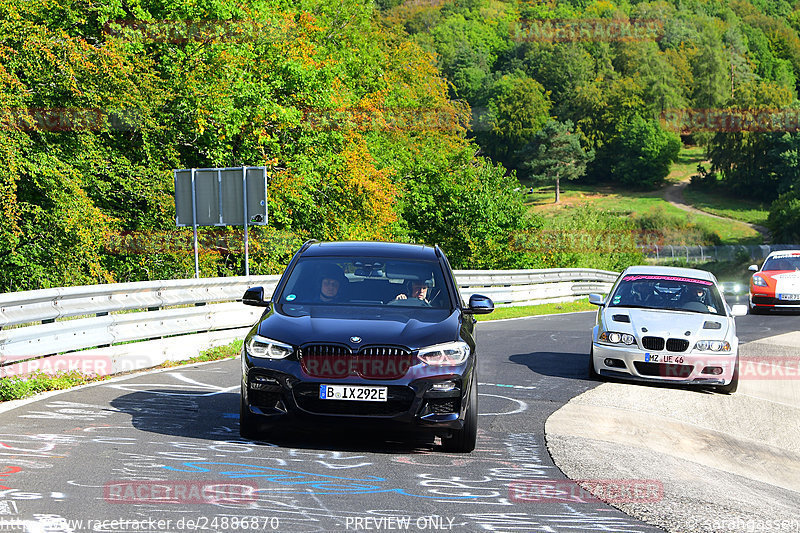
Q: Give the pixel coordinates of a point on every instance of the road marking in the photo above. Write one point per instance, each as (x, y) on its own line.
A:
(525, 387)
(522, 405)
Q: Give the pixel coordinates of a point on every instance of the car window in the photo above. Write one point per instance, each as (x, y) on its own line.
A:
(366, 281)
(668, 292)
(791, 262)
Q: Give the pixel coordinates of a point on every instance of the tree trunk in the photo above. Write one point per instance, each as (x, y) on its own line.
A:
(558, 191)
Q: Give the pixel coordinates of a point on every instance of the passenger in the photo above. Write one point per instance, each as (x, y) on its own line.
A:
(331, 284)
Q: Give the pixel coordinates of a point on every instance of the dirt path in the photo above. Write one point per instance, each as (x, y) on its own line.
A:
(674, 195)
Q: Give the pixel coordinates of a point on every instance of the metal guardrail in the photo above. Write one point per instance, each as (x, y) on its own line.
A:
(100, 318)
(528, 287)
(731, 252)
(64, 302)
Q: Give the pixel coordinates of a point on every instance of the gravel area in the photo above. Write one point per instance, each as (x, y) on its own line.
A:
(725, 462)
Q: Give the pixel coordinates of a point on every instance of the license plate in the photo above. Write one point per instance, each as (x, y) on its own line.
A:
(353, 392)
(789, 297)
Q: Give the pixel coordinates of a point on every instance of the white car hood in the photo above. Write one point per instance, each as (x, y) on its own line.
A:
(668, 324)
(787, 283)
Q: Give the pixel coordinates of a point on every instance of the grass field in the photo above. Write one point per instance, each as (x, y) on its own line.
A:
(646, 203)
(686, 165)
(635, 203)
(725, 206)
(536, 310)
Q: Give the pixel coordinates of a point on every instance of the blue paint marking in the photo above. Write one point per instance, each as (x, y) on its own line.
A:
(298, 482)
(231, 415)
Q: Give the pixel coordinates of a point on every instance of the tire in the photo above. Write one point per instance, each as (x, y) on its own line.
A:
(249, 425)
(464, 440)
(593, 375)
(731, 387)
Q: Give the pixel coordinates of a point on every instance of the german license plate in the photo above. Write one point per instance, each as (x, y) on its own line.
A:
(353, 392)
(789, 296)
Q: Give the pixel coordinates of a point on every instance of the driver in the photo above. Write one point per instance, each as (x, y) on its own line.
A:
(330, 283)
(698, 294)
(417, 289)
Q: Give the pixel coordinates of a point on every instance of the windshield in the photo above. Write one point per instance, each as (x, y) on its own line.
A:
(668, 292)
(366, 281)
(782, 262)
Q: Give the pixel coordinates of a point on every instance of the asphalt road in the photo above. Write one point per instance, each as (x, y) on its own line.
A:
(161, 452)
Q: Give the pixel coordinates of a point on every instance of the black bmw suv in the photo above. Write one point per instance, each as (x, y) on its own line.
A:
(364, 332)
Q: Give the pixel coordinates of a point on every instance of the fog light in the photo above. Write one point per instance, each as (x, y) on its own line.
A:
(713, 370)
(614, 363)
(443, 386)
(264, 383)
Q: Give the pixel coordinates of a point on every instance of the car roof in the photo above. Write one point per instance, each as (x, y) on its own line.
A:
(654, 270)
(394, 250)
(783, 253)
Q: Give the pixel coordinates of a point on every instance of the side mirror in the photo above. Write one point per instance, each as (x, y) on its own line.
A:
(753, 268)
(480, 305)
(255, 296)
(739, 310)
(596, 299)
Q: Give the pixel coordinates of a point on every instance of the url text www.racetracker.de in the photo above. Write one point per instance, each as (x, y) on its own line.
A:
(55, 523)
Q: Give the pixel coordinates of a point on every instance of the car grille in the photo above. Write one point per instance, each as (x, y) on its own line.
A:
(399, 401)
(657, 343)
(653, 343)
(677, 345)
(663, 370)
(443, 406)
(332, 361)
(263, 399)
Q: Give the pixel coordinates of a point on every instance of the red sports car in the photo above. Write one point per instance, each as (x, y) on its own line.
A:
(777, 284)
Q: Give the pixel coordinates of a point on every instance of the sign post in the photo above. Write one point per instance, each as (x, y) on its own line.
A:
(227, 196)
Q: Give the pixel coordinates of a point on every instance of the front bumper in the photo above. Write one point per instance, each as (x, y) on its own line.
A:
(690, 367)
(279, 392)
(768, 301)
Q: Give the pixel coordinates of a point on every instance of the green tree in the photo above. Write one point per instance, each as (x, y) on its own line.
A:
(643, 152)
(561, 68)
(784, 219)
(711, 70)
(517, 108)
(556, 154)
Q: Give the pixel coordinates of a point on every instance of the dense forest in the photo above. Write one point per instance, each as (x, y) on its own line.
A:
(388, 120)
(631, 76)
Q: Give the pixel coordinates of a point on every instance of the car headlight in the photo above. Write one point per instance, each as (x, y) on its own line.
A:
(259, 346)
(759, 281)
(713, 346)
(616, 338)
(447, 354)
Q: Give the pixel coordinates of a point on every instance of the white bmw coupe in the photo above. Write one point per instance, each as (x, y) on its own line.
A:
(666, 324)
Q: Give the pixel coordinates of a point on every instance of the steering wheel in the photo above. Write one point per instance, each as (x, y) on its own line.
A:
(409, 302)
